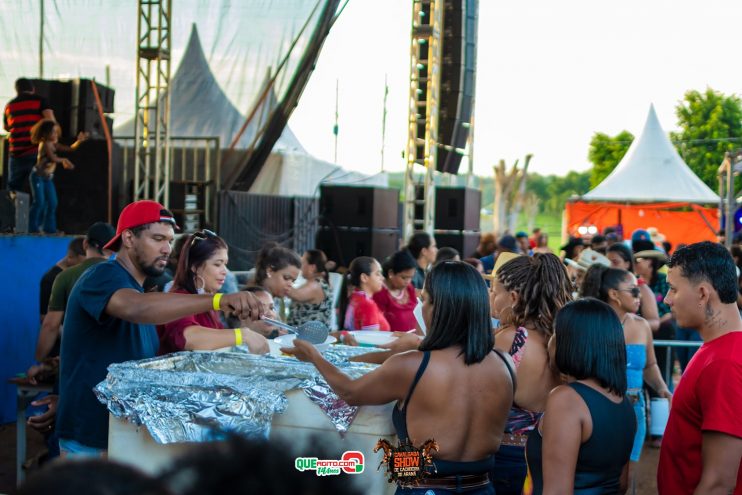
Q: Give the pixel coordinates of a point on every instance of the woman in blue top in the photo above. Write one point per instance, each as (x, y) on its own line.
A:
(619, 289)
(583, 441)
(456, 388)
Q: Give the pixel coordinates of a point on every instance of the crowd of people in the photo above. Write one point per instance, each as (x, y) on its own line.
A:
(529, 369)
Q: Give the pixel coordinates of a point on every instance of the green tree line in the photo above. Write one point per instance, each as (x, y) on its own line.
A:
(552, 190)
(709, 122)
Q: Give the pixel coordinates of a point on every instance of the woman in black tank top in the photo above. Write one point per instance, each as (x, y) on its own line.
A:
(455, 380)
(583, 442)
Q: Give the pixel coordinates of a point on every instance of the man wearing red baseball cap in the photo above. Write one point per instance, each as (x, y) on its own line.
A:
(109, 319)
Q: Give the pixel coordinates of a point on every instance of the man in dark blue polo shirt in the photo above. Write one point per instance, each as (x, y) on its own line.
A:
(109, 319)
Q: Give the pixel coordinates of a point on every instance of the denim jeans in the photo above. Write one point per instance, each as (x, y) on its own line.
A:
(44, 205)
(52, 444)
(19, 168)
(510, 470)
(74, 449)
(483, 490)
(640, 410)
(685, 353)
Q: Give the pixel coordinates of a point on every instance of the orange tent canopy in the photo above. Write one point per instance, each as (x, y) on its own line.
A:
(680, 223)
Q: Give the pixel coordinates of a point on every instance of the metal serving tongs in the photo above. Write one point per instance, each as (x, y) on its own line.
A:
(314, 332)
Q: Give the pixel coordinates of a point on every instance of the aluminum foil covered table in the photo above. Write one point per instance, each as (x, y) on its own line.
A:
(159, 407)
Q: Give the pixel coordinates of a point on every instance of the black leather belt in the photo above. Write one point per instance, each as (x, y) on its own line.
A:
(465, 481)
(633, 395)
(513, 440)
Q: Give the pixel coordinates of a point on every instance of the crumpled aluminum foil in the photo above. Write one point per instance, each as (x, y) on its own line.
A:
(195, 396)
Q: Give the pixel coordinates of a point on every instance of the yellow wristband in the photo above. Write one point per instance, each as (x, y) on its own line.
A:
(215, 301)
(237, 336)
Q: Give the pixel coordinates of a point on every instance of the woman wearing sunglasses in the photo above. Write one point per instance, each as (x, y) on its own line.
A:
(202, 269)
(622, 257)
(619, 289)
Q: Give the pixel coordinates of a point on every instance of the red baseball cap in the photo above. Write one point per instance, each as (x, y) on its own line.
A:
(140, 213)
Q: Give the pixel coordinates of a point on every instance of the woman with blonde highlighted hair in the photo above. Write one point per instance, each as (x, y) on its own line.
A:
(525, 295)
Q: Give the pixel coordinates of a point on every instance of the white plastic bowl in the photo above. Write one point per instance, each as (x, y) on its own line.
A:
(288, 341)
(372, 338)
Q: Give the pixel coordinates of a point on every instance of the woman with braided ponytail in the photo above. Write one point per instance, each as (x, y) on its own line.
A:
(620, 290)
(525, 296)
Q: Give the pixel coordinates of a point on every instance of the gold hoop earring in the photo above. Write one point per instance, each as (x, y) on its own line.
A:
(203, 283)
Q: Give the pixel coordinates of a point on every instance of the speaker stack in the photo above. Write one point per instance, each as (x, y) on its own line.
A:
(458, 67)
(458, 81)
(74, 105)
(358, 221)
(457, 218)
(83, 192)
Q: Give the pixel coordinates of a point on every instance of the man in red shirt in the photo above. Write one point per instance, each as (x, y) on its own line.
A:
(20, 114)
(702, 448)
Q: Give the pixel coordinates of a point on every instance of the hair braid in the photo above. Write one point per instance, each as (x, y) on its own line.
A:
(543, 288)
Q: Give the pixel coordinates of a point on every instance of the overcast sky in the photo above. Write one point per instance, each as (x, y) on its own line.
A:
(549, 75)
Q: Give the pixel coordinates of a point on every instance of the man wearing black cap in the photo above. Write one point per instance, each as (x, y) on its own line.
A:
(506, 244)
(599, 244)
(573, 248)
(524, 244)
(109, 319)
(99, 234)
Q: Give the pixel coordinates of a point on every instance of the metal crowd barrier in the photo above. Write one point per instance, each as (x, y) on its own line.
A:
(668, 345)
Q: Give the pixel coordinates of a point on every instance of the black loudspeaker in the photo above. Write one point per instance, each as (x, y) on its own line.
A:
(343, 245)
(458, 77)
(457, 208)
(84, 116)
(14, 208)
(58, 95)
(368, 207)
(464, 242)
(74, 105)
(86, 97)
(83, 192)
(92, 124)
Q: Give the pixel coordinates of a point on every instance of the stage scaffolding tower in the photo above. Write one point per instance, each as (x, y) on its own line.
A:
(152, 114)
(422, 141)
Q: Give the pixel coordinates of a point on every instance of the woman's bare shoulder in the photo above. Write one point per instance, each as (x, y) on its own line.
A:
(504, 337)
(637, 324)
(562, 397)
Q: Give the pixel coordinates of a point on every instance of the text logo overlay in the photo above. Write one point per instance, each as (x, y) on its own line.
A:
(351, 462)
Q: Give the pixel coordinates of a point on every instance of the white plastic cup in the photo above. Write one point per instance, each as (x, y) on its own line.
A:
(659, 411)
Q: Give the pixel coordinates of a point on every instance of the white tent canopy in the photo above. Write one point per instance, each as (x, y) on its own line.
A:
(652, 171)
(199, 108)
